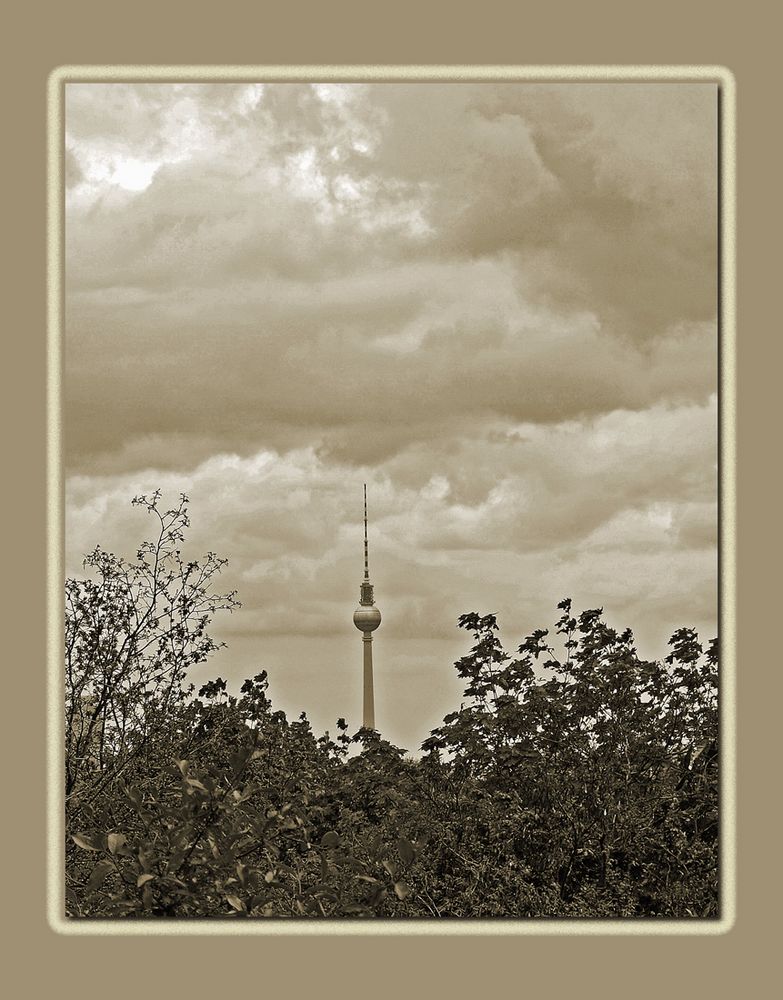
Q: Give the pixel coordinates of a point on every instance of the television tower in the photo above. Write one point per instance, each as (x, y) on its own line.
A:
(367, 618)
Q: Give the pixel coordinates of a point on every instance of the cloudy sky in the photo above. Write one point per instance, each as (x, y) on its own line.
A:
(494, 303)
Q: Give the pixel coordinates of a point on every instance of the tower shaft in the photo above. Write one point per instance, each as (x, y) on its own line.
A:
(368, 715)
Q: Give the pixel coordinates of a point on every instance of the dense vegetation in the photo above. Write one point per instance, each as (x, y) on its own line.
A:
(576, 780)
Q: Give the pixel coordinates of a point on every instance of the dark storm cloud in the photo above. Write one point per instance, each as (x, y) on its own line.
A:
(279, 385)
(263, 295)
(606, 194)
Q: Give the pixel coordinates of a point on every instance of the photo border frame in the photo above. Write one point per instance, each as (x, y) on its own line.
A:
(504, 926)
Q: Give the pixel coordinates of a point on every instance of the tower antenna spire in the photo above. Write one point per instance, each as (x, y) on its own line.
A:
(366, 561)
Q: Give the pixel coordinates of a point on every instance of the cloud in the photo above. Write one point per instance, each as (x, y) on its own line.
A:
(495, 303)
(249, 270)
(605, 194)
(290, 523)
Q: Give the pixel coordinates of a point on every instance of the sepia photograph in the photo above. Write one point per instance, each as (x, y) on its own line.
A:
(389, 447)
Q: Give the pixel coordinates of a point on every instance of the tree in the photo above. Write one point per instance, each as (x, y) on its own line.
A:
(133, 630)
(606, 764)
(185, 805)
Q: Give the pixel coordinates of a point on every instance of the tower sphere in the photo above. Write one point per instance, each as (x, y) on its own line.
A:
(367, 619)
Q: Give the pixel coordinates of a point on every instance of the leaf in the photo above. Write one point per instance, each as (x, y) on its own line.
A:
(99, 873)
(134, 796)
(238, 760)
(405, 850)
(376, 896)
(402, 889)
(698, 752)
(237, 903)
(146, 859)
(330, 839)
(83, 841)
(115, 841)
(375, 847)
(143, 880)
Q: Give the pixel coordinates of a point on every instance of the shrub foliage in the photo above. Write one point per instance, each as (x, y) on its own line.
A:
(575, 780)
